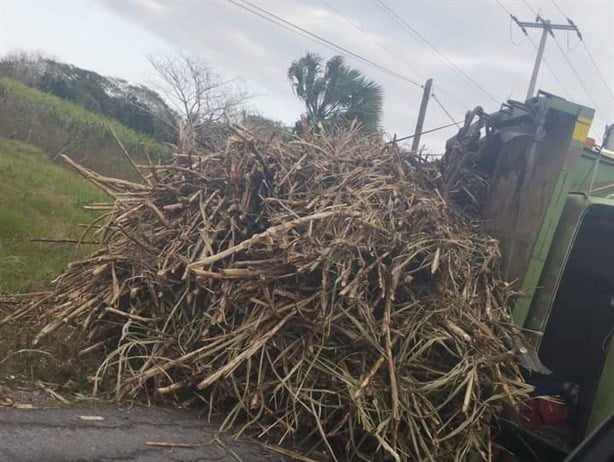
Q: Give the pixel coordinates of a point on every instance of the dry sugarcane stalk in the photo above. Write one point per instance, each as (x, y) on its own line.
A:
(62, 241)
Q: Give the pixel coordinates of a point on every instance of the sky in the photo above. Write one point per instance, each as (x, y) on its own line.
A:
(471, 49)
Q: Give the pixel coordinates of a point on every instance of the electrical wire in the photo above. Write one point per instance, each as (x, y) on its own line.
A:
(283, 26)
(597, 68)
(504, 8)
(534, 45)
(588, 52)
(598, 110)
(390, 52)
(511, 34)
(369, 37)
(579, 78)
(569, 47)
(537, 15)
(426, 131)
(554, 74)
(290, 26)
(558, 8)
(514, 19)
(443, 108)
(569, 63)
(428, 44)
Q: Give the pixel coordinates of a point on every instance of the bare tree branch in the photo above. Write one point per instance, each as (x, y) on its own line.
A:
(201, 98)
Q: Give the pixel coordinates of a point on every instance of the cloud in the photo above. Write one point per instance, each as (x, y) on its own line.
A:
(154, 6)
(476, 36)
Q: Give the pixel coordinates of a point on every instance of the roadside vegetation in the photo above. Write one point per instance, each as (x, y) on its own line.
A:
(38, 199)
(56, 125)
(135, 106)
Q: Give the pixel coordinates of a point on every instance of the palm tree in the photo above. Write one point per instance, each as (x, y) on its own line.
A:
(336, 94)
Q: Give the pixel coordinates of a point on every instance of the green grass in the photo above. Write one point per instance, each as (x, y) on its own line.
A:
(38, 199)
(54, 124)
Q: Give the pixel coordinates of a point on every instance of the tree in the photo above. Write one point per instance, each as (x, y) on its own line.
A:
(200, 97)
(334, 93)
(27, 67)
(257, 121)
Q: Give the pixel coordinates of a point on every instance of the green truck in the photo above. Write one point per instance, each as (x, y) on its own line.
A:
(551, 205)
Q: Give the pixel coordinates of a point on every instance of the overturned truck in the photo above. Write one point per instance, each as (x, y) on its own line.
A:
(550, 204)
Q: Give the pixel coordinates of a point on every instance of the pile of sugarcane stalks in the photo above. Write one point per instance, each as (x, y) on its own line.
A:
(14, 307)
(323, 292)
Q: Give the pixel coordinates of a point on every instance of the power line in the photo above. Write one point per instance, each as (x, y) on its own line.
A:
(547, 28)
(536, 13)
(572, 26)
(598, 69)
(588, 52)
(531, 58)
(290, 26)
(283, 26)
(426, 131)
(546, 63)
(511, 35)
(404, 23)
(504, 8)
(387, 50)
(558, 8)
(370, 38)
(443, 108)
(579, 78)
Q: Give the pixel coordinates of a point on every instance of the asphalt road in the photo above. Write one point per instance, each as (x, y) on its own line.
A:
(111, 434)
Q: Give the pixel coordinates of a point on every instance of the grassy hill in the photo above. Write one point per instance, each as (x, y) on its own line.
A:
(38, 199)
(56, 125)
(135, 106)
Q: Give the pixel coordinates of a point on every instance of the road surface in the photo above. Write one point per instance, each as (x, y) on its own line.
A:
(105, 434)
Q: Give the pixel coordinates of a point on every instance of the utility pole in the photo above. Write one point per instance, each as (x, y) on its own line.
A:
(421, 115)
(547, 28)
(608, 138)
(538, 60)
